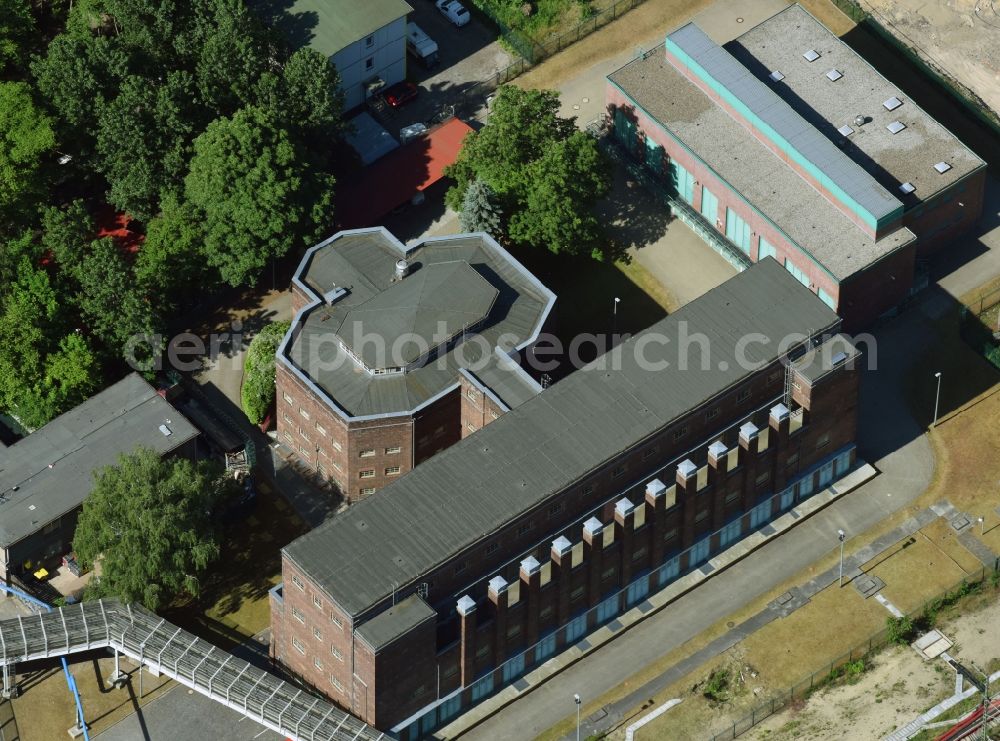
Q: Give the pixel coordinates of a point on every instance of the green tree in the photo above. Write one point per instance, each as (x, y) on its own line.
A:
(522, 124)
(26, 139)
(144, 140)
(547, 176)
(171, 262)
(311, 98)
(12, 252)
(17, 28)
(481, 210)
(257, 193)
(114, 305)
(558, 206)
(78, 76)
(147, 520)
(66, 232)
(257, 393)
(41, 375)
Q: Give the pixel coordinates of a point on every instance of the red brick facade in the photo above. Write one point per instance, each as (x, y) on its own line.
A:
(560, 564)
(478, 407)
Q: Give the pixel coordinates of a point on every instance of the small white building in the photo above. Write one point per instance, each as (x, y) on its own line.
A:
(365, 39)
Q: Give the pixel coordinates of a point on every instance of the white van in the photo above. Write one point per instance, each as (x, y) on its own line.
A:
(421, 46)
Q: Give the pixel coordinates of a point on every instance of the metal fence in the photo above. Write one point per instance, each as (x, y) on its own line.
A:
(862, 651)
(533, 51)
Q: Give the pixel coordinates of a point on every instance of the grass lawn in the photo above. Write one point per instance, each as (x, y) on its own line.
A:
(234, 603)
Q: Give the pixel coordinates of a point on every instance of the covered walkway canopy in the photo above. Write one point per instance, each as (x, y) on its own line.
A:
(193, 662)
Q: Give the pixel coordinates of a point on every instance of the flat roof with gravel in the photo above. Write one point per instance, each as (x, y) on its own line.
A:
(766, 183)
(908, 156)
(371, 345)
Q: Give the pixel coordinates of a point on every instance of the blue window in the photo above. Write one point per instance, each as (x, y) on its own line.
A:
(575, 629)
(787, 497)
(794, 270)
(637, 590)
(428, 722)
(607, 609)
(709, 206)
(513, 668)
(449, 708)
(546, 647)
(737, 230)
(841, 463)
(827, 299)
(806, 487)
(826, 474)
(699, 552)
(731, 532)
(482, 687)
(625, 130)
(765, 249)
(654, 157)
(670, 570)
(683, 181)
(760, 514)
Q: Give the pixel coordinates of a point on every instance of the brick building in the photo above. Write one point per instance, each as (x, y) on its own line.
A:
(368, 376)
(792, 146)
(519, 540)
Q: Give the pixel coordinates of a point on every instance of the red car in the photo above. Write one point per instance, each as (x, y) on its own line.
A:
(400, 94)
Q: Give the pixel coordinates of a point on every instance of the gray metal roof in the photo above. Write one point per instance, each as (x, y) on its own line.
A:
(908, 156)
(767, 106)
(516, 463)
(52, 469)
(329, 25)
(430, 306)
(505, 379)
(769, 184)
(465, 275)
(402, 617)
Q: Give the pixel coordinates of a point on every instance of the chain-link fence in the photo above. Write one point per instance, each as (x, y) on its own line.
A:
(923, 616)
(980, 325)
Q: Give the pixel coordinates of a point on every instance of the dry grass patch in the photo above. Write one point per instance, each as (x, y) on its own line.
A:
(941, 535)
(915, 571)
(45, 710)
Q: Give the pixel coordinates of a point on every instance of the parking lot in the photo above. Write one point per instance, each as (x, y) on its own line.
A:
(468, 55)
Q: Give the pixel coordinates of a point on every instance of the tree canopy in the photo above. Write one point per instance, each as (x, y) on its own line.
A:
(148, 521)
(545, 175)
(257, 393)
(256, 193)
(26, 138)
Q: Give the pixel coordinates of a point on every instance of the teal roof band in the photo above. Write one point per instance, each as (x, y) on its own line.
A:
(843, 178)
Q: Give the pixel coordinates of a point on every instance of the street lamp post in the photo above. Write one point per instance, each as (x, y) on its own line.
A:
(937, 397)
(841, 535)
(578, 701)
(982, 526)
(614, 318)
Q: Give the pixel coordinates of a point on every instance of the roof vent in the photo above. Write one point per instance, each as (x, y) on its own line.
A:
(845, 130)
(776, 76)
(907, 188)
(834, 75)
(892, 104)
(165, 431)
(860, 120)
(895, 127)
(402, 269)
(811, 56)
(942, 167)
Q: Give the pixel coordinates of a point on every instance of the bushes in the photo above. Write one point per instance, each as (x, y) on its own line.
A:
(258, 372)
(717, 686)
(899, 630)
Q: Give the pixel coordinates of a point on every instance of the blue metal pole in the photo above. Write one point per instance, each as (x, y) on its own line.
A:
(70, 681)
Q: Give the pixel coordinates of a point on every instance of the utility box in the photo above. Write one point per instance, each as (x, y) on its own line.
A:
(421, 46)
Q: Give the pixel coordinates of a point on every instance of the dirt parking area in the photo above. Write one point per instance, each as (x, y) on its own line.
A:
(468, 55)
(960, 37)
